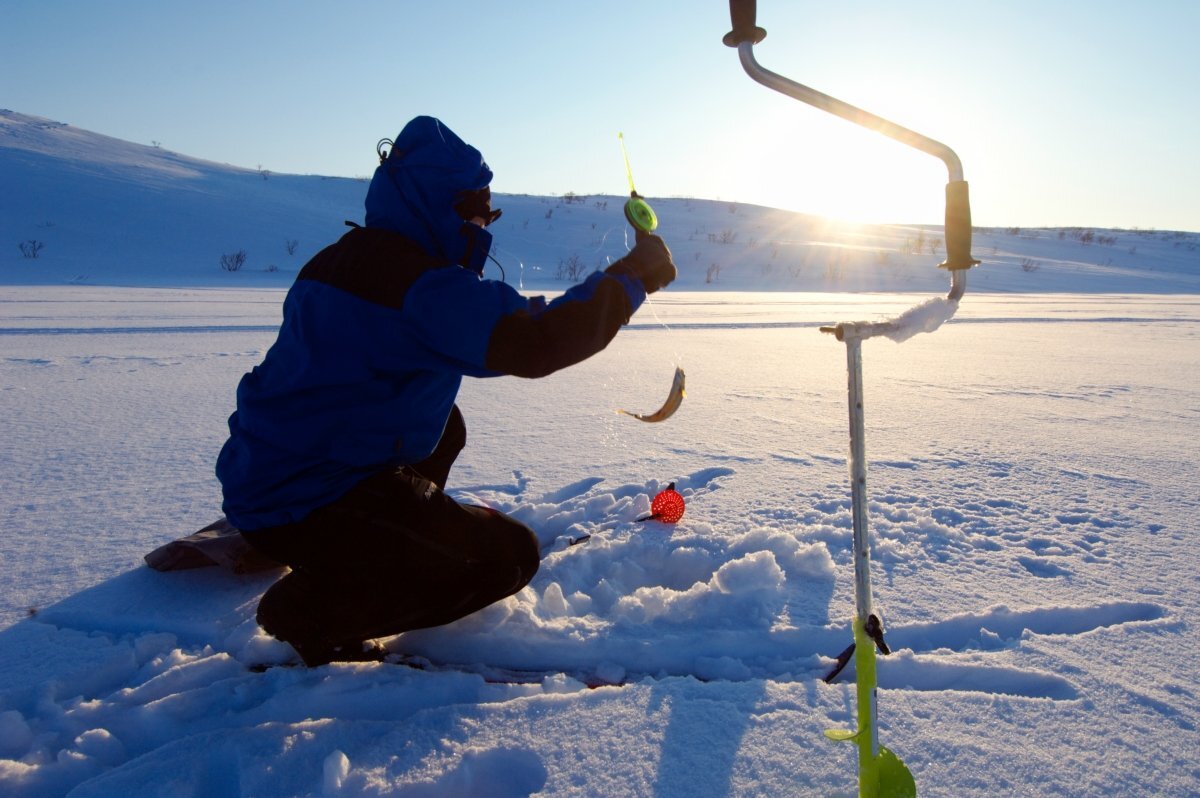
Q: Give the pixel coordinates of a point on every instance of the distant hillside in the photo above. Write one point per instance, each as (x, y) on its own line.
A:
(86, 208)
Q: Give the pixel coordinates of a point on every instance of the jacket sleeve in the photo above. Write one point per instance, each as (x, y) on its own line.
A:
(484, 328)
(537, 341)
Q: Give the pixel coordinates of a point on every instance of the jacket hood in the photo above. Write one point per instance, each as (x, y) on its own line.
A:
(415, 189)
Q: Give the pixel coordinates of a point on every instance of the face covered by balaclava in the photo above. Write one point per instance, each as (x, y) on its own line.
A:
(425, 189)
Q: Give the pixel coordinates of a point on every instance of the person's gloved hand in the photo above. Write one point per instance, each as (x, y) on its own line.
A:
(649, 261)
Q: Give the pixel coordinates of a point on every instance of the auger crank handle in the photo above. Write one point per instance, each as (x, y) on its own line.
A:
(742, 14)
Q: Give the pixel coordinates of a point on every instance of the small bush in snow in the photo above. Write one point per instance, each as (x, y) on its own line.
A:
(233, 261)
(570, 268)
(30, 248)
(290, 245)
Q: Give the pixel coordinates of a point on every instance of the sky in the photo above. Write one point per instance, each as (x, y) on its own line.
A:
(1067, 113)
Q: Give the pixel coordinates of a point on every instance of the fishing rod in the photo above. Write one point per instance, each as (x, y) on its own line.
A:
(880, 772)
(644, 221)
(638, 212)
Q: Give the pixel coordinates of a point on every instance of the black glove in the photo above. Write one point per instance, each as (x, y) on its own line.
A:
(649, 261)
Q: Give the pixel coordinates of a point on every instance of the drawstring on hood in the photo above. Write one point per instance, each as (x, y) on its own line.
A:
(416, 188)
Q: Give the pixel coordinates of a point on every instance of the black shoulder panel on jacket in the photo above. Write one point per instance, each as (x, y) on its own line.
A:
(372, 264)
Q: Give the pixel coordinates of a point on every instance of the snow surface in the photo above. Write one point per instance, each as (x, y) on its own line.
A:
(1033, 489)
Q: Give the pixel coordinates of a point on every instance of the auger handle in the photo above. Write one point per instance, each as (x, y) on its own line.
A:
(742, 14)
(746, 34)
(958, 227)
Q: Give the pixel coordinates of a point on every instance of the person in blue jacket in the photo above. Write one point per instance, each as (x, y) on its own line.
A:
(344, 436)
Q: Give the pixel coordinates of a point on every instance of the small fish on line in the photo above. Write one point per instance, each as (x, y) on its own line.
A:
(674, 400)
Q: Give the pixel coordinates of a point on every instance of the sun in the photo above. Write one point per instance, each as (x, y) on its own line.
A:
(826, 166)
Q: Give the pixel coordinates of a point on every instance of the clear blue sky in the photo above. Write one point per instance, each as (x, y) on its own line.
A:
(1064, 112)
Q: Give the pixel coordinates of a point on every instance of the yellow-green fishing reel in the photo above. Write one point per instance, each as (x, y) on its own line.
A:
(640, 214)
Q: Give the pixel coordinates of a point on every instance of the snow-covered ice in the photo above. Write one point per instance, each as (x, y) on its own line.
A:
(1033, 489)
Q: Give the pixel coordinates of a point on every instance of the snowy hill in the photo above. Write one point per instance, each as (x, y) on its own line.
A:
(109, 212)
(1033, 496)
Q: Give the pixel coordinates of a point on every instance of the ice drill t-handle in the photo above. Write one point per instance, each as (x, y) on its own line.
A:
(746, 34)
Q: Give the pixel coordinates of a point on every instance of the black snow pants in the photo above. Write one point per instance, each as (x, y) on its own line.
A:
(392, 555)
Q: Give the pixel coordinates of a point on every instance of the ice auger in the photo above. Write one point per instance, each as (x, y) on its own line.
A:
(881, 774)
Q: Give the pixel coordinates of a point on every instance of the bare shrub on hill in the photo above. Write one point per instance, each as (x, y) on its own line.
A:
(233, 261)
(570, 268)
(31, 248)
(916, 246)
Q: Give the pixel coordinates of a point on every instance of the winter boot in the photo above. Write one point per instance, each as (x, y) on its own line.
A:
(295, 611)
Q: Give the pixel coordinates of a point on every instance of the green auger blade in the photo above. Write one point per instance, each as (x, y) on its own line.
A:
(892, 776)
(895, 780)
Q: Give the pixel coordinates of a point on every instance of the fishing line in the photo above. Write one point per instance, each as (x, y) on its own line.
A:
(510, 256)
(642, 218)
(667, 327)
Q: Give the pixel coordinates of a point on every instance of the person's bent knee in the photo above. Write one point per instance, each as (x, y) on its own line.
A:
(527, 551)
(519, 543)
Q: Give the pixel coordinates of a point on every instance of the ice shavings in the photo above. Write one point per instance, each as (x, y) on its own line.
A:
(924, 318)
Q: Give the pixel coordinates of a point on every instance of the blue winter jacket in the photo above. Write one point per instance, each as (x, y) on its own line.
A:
(378, 331)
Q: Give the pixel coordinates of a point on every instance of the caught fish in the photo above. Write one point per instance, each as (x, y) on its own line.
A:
(674, 400)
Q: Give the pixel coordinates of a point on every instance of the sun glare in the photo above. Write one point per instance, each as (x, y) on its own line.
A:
(822, 165)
